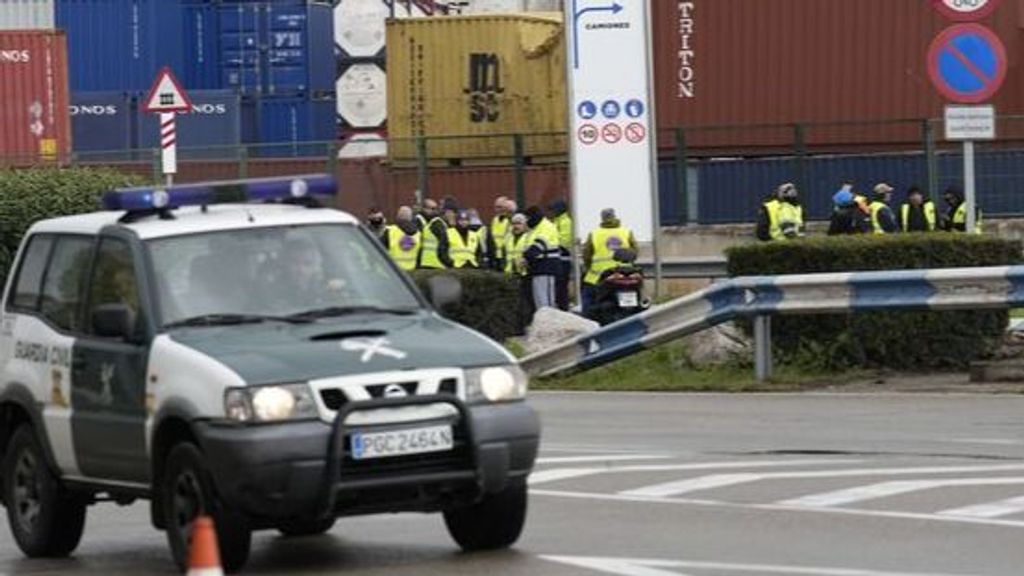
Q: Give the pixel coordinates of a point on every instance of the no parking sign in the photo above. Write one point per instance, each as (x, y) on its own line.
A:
(967, 63)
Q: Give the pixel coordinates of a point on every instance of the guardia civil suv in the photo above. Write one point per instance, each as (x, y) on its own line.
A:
(234, 349)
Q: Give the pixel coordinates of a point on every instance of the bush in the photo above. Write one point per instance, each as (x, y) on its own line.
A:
(27, 196)
(901, 340)
(490, 301)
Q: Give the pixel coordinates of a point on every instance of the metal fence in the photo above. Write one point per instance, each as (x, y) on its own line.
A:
(707, 174)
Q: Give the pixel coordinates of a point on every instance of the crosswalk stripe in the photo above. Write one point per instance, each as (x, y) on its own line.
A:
(884, 489)
(555, 474)
(990, 509)
(599, 458)
(679, 487)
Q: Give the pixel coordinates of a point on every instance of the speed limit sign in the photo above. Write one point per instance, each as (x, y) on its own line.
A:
(965, 10)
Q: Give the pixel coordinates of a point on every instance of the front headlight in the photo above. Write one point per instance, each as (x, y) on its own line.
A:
(270, 403)
(495, 384)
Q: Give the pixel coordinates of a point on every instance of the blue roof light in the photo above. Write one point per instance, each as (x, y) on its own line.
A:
(148, 199)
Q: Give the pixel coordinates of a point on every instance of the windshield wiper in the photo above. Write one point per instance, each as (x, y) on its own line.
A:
(233, 320)
(336, 311)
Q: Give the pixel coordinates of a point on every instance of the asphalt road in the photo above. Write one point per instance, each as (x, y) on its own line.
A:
(661, 485)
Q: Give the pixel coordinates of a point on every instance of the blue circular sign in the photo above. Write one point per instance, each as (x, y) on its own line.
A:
(967, 63)
(611, 109)
(587, 110)
(634, 108)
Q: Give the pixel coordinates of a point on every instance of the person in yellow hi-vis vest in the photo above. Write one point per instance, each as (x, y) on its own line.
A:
(463, 243)
(435, 238)
(403, 240)
(599, 252)
(543, 261)
(499, 231)
(917, 214)
(559, 214)
(515, 266)
(955, 219)
(782, 215)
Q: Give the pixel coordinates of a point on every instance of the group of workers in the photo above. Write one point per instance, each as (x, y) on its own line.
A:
(533, 245)
(782, 215)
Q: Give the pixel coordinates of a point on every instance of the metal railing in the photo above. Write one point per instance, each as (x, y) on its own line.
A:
(761, 297)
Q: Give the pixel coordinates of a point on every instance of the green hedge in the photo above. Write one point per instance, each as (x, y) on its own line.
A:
(27, 196)
(490, 301)
(899, 340)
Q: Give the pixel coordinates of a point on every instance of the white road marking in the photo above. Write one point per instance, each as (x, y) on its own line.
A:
(600, 458)
(990, 509)
(885, 489)
(992, 441)
(642, 567)
(780, 508)
(555, 474)
(680, 487)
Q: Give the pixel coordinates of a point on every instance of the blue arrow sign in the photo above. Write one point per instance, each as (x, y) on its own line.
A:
(614, 8)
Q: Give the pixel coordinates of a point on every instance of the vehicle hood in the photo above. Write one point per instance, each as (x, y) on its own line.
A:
(270, 353)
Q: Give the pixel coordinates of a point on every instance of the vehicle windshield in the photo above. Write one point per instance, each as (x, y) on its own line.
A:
(288, 273)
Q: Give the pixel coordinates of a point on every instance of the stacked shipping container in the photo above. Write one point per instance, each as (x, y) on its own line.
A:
(33, 90)
(275, 55)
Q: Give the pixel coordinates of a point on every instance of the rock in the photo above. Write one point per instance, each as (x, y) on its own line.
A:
(719, 345)
(551, 326)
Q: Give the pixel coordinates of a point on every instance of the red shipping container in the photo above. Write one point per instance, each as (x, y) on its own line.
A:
(35, 125)
(758, 62)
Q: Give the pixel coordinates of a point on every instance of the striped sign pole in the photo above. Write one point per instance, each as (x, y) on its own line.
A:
(168, 139)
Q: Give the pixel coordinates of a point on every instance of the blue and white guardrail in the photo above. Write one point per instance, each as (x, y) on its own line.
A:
(943, 289)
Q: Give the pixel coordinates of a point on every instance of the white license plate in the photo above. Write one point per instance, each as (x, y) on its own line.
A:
(401, 442)
(628, 299)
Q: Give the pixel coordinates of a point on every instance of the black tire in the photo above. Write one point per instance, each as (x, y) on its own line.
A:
(297, 528)
(494, 522)
(187, 491)
(46, 520)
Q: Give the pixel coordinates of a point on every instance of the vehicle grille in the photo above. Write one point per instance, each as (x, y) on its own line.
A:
(335, 398)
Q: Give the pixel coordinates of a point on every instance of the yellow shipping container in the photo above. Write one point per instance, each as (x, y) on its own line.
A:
(467, 84)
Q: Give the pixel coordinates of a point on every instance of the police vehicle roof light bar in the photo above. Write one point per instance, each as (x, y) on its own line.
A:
(157, 199)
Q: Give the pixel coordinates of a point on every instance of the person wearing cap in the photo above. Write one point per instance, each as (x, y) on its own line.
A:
(782, 215)
(599, 252)
(435, 238)
(883, 221)
(463, 243)
(847, 217)
(499, 230)
(542, 258)
(558, 212)
(917, 214)
(515, 266)
(403, 240)
(476, 226)
(955, 219)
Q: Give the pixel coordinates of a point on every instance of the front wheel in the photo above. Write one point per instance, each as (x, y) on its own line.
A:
(187, 492)
(494, 522)
(46, 521)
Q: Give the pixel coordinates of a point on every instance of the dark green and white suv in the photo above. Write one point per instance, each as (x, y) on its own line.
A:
(261, 360)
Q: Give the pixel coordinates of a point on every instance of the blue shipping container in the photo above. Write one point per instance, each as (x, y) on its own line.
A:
(281, 48)
(213, 129)
(120, 44)
(101, 122)
(296, 122)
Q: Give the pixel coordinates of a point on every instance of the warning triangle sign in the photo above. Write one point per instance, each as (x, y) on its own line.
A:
(167, 95)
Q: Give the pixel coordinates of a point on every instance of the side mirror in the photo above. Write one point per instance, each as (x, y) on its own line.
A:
(444, 290)
(113, 321)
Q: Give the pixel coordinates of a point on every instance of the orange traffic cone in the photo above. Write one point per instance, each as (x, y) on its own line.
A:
(204, 557)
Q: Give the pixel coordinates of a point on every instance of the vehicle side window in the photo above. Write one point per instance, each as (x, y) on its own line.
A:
(30, 273)
(64, 281)
(113, 277)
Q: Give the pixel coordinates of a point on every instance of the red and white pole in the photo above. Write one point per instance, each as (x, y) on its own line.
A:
(168, 140)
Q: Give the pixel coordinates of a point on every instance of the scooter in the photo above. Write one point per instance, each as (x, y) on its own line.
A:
(619, 293)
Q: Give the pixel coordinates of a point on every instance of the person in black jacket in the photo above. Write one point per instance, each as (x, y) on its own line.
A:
(847, 217)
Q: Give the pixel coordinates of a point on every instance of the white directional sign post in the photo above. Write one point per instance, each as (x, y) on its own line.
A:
(167, 98)
(611, 109)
